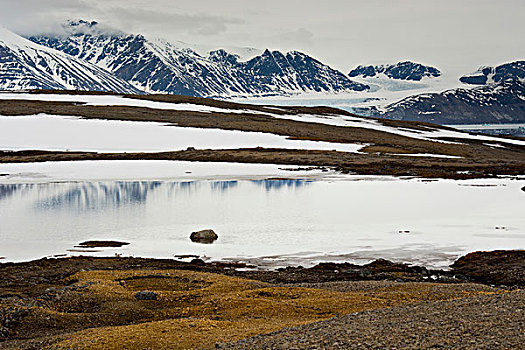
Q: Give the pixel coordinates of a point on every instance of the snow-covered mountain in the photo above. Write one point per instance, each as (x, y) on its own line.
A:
(26, 65)
(162, 67)
(487, 75)
(502, 102)
(399, 71)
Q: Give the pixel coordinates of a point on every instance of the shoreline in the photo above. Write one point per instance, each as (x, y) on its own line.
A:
(345, 163)
(498, 268)
(478, 267)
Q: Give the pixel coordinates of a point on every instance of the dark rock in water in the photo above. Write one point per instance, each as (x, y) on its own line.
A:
(146, 296)
(204, 236)
(101, 244)
(523, 188)
(186, 256)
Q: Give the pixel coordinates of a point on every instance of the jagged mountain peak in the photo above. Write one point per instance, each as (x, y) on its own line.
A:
(82, 27)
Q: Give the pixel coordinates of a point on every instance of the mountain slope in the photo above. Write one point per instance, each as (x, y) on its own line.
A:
(485, 75)
(503, 102)
(162, 67)
(26, 65)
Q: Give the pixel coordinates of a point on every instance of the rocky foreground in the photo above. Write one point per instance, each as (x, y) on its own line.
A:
(133, 303)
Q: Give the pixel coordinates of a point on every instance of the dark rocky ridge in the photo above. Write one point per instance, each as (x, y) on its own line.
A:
(508, 71)
(400, 71)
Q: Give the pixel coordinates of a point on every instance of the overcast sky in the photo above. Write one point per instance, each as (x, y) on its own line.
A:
(451, 34)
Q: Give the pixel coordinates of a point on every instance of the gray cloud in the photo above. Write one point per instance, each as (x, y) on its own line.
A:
(299, 36)
(342, 33)
(160, 22)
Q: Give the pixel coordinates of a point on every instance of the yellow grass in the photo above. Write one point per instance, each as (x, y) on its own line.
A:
(196, 310)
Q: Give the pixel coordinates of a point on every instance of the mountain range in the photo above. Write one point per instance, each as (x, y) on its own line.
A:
(158, 66)
(88, 56)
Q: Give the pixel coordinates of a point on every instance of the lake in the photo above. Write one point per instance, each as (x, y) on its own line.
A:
(269, 222)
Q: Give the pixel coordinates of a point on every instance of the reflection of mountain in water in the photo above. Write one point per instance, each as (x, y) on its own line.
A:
(278, 184)
(102, 195)
(223, 185)
(8, 190)
(95, 195)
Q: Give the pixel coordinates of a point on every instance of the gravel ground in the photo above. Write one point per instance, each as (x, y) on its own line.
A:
(372, 286)
(479, 322)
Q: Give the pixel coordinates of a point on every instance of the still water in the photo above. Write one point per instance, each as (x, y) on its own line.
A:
(269, 222)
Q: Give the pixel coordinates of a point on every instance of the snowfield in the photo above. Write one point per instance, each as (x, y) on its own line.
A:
(152, 170)
(59, 133)
(112, 100)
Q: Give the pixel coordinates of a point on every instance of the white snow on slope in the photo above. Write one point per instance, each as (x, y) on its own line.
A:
(113, 100)
(27, 65)
(432, 134)
(59, 133)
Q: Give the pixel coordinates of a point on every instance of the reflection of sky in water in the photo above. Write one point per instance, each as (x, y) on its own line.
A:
(100, 195)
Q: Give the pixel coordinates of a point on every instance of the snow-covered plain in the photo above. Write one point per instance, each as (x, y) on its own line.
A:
(59, 133)
(432, 134)
(270, 222)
